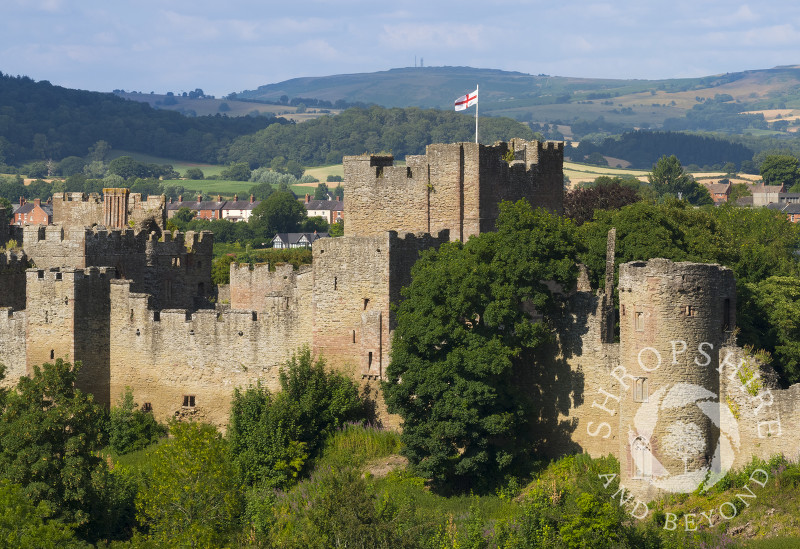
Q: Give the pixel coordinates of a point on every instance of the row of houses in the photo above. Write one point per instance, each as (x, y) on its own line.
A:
(240, 210)
(773, 197)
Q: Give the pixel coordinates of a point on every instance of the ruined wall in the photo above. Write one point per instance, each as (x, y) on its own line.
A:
(166, 355)
(175, 268)
(77, 209)
(454, 187)
(762, 416)
(67, 315)
(669, 403)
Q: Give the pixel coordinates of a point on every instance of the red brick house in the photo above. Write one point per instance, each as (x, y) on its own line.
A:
(32, 213)
(720, 192)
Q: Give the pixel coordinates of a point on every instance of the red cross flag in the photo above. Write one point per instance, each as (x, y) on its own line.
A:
(466, 101)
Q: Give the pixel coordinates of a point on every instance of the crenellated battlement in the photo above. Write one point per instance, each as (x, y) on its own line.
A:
(455, 186)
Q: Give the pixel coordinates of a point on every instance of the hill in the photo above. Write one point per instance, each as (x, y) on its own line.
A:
(39, 121)
(612, 105)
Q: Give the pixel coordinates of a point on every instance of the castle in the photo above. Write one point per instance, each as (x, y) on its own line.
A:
(112, 288)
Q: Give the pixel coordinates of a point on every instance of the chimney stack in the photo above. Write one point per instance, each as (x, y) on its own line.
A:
(308, 198)
(219, 198)
(199, 198)
(37, 202)
(180, 198)
(236, 198)
(252, 198)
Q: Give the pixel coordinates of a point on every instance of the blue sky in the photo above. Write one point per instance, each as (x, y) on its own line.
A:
(224, 46)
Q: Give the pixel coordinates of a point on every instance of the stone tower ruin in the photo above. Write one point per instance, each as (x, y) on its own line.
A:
(674, 318)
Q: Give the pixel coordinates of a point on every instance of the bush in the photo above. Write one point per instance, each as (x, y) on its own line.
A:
(131, 429)
(194, 173)
(273, 435)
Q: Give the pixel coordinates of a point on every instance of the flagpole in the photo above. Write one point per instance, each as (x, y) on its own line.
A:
(476, 114)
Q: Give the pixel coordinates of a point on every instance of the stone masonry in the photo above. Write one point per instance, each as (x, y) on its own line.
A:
(133, 305)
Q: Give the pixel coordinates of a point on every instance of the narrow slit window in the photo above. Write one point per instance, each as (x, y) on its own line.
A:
(639, 319)
(640, 393)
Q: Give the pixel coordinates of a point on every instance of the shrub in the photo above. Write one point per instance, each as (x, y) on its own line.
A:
(130, 429)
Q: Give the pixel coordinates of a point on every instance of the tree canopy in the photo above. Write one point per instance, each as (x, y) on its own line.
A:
(463, 340)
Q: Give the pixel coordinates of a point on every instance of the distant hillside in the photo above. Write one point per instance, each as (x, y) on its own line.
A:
(39, 121)
(602, 105)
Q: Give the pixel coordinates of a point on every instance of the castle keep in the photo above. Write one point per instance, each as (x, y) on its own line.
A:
(108, 286)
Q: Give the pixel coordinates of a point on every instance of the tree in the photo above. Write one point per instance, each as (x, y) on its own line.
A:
(130, 429)
(127, 167)
(580, 204)
(336, 229)
(98, 151)
(463, 346)
(279, 213)
(194, 173)
(50, 441)
(26, 525)
(190, 496)
(779, 169)
(272, 435)
(321, 192)
(669, 178)
(338, 192)
(71, 165)
(334, 179)
(769, 320)
(238, 171)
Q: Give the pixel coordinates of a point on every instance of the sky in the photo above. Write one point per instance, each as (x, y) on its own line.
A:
(223, 46)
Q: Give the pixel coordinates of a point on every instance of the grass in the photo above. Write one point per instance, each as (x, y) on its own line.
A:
(355, 445)
(322, 172)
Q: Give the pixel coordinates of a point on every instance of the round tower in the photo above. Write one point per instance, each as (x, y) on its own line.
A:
(674, 317)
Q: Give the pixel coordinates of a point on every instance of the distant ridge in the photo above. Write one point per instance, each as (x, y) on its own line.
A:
(544, 98)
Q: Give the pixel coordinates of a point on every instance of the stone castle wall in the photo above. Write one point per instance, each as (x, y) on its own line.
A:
(118, 208)
(454, 187)
(77, 209)
(166, 355)
(67, 315)
(174, 268)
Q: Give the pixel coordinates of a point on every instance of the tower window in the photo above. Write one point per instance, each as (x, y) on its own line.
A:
(188, 401)
(640, 392)
(639, 319)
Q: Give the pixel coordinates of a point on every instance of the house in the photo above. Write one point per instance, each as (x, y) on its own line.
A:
(208, 209)
(33, 213)
(329, 210)
(766, 194)
(791, 209)
(720, 192)
(296, 240)
(239, 210)
(789, 198)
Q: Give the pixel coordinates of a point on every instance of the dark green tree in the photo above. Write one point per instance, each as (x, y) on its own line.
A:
(272, 435)
(50, 441)
(238, 171)
(668, 178)
(464, 341)
(279, 213)
(321, 192)
(779, 169)
(194, 173)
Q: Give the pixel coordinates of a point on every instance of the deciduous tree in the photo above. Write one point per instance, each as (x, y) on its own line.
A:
(465, 337)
